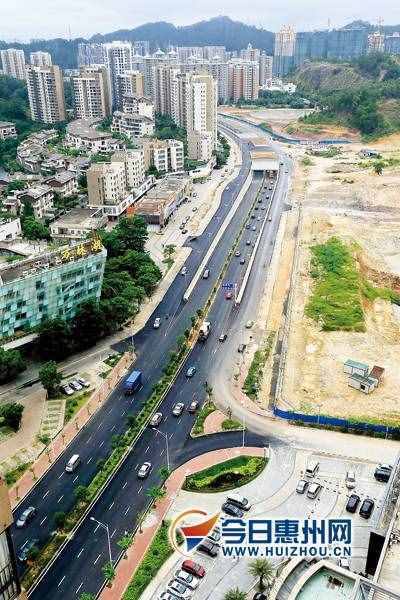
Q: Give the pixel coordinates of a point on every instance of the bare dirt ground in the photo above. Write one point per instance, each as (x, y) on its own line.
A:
(338, 198)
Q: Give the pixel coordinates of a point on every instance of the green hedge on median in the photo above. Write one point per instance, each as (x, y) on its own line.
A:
(226, 475)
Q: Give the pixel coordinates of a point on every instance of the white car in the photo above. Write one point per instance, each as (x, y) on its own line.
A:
(83, 382)
(187, 579)
(75, 385)
(156, 419)
(157, 323)
(179, 589)
(144, 470)
(183, 270)
(66, 389)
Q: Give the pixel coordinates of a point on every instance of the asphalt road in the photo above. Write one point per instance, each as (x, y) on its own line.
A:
(55, 491)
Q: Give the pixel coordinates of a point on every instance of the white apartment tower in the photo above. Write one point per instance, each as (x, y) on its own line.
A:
(164, 88)
(201, 115)
(46, 93)
(92, 93)
(118, 61)
(40, 59)
(13, 62)
(130, 82)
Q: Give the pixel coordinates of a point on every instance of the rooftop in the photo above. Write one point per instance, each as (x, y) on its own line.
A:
(86, 128)
(62, 177)
(37, 192)
(132, 116)
(84, 218)
(6, 124)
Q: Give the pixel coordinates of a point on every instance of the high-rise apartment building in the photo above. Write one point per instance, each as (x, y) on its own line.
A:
(285, 40)
(376, 42)
(107, 186)
(40, 59)
(133, 162)
(214, 52)
(201, 115)
(250, 54)
(164, 86)
(92, 93)
(119, 61)
(9, 584)
(46, 93)
(130, 82)
(347, 44)
(138, 106)
(91, 54)
(265, 68)
(392, 43)
(141, 47)
(165, 155)
(243, 80)
(13, 62)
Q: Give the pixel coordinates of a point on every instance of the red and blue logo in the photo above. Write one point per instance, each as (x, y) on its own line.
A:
(194, 534)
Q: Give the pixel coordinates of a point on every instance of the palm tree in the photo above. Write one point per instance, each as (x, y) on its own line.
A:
(156, 493)
(262, 568)
(235, 594)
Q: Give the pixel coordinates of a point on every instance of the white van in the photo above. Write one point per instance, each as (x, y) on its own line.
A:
(73, 463)
(239, 501)
(312, 469)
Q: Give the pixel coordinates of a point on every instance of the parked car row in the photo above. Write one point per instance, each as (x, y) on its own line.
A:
(75, 385)
(184, 582)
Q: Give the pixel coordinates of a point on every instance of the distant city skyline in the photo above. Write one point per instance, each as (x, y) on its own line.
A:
(22, 20)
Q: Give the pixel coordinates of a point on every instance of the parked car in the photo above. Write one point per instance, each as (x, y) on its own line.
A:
(241, 348)
(260, 596)
(168, 596)
(23, 553)
(239, 501)
(302, 486)
(83, 382)
(179, 588)
(314, 490)
(178, 409)
(75, 385)
(26, 517)
(157, 323)
(191, 371)
(215, 535)
(144, 470)
(222, 337)
(208, 547)
(183, 270)
(352, 503)
(194, 568)
(193, 406)
(350, 480)
(187, 579)
(232, 510)
(383, 472)
(66, 389)
(367, 508)
(156, 419)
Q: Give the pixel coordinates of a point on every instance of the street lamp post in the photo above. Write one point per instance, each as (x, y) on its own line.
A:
(105, 526)
(166, 444)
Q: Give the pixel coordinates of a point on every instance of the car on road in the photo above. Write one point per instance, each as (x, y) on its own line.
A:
(26, 517)
(191, 371)
(248, 242)
(302, 486)
(179, 588)
(193, 568)
(237, 253)
(193, 406)
(258, 218)
(144, 470)
(215, 535)
(239, 501)
(352, 503)
(156, 419)
(314, 490)
(249, 324)
(228, 295)
(269, 219)
(208, 547)
(253, 216)
(242, 261)
(187, 579)
(168, 596)
(83, 382)
(183, 270)
(247, 226)
(157, 323)
(367, 508)
(184, 231)
(178, 409)
(262, 207)
(260, 596)
(66, 389)
(350, 480)
(256, 207)
(254, 228)
(206, 273)
(23, 553)
(194, 209)
(232, 510)
(181, 226)
(241, 348)
(267, 197)
(259, 200)
(222, 337)
(383, 472)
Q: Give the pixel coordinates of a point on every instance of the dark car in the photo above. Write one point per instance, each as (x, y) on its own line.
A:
(23, 553)
(241, 348)
(232, 510)
(208, 547)
(383, 472)
(352, 503)
(222, 337)
(366, 508)
(193, 568)
(260, 596)
(26, 517)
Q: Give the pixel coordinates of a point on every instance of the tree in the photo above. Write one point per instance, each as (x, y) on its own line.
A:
(81, 493)
(108, 572)
(11, 364)
(50, 378)
(129, 234)
(34, 230)
(88, 325)
(263, 569)
(55, 339)
(164, 472)
(86, 596)
(59, 519)
(378, 167)
(125, 542)
(11, 415)
(156, 493)
(235, 594)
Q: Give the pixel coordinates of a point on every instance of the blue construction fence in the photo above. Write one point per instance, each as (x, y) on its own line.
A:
(336, 422)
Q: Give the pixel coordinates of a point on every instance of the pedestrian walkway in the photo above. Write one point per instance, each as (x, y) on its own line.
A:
(213, 423)
(127, 567)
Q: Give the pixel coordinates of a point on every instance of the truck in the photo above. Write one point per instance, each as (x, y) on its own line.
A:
(204, 331)
(133, 382)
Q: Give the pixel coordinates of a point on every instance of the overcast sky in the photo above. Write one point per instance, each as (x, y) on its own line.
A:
(25, 19)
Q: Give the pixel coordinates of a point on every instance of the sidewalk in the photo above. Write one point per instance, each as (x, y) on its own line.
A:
(127, 567)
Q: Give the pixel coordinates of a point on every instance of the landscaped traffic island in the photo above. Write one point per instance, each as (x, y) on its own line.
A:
(227, 475)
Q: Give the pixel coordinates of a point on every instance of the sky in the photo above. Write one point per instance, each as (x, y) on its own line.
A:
(22, 20)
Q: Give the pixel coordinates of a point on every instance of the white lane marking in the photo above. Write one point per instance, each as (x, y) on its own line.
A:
(171, 435)
(91, 458)
(60, 582)
(77, 591)
(125, 484)
(113, 427)
(127, 510)
(162, 452)
(42, 521)
(88, 440)
(97, 559)
(100, 425)
(60, 498)
(147, 449)
(96, 528)
(48, 492)
(59, 477)
(140, 489)
(75, 478)
(80, 552)
(113, 533)
(123, 412)
(100, 445)
(111, 505)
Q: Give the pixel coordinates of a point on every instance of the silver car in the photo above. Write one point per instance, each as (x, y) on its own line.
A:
(144, 470)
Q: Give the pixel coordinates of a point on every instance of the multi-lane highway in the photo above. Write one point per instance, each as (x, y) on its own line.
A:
(125, 496)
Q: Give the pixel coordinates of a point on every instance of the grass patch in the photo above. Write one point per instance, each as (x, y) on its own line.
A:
(230, 424)
(252, 382)
(113, 359)
(306, 161)
(158, 552)
(339, 291)
(228, 475)
(13, 475)
(206, 409)
(74, 403)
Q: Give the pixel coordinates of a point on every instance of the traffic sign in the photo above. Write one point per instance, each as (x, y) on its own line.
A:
(228, 286)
